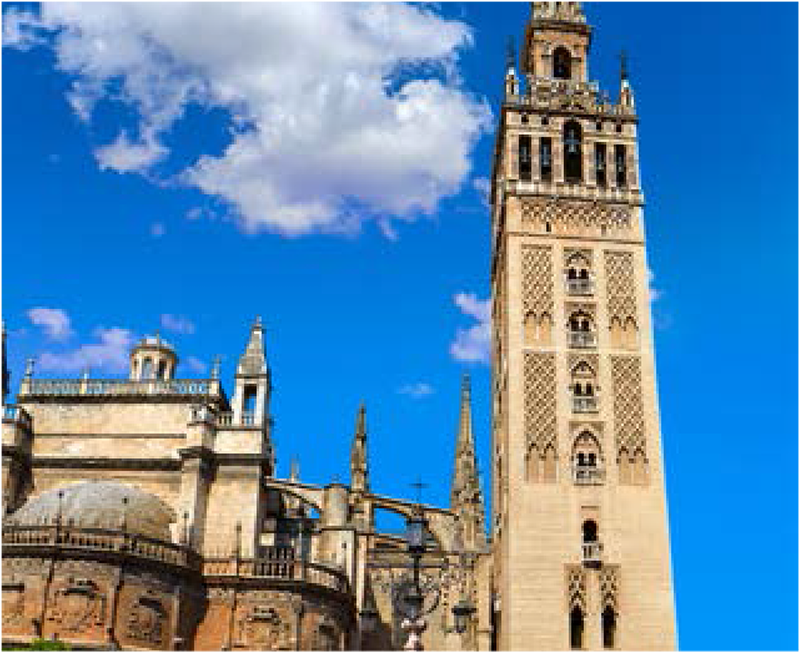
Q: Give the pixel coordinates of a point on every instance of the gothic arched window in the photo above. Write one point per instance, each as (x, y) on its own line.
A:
(562, 64)
(573, 166)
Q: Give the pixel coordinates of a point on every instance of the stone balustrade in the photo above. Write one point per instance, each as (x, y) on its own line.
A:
(118, 387)
(581, 339)
(588, 475)
(17, 538)
(273, 567)
(592, 552)
(580, 286)
(576, 191)
(246, 419)
(584, 404)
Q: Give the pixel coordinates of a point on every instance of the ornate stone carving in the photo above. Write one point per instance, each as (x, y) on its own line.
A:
(263, 628)
(629, 426)
(576, 588)
(620, 286)
(540, 400)
(13, 603)
(576, 215)
(146, 621)
(78, 605)
(609, 588)
(537, 280)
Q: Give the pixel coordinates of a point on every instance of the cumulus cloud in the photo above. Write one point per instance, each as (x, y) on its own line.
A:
(473, 344)
(177, 324)
(109, 353)
(195, 365)
(125, 156)
(54, 321)
(483, 187)
(339, 111)
(655, 294)
(416, 390)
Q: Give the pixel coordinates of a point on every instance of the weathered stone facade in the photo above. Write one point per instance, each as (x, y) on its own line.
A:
(144, 513)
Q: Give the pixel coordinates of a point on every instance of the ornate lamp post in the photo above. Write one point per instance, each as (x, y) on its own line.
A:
(414, 623)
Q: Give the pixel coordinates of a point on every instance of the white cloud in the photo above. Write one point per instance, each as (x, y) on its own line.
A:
(339, 110)
(473, 344)
(483, 187)
(655, 294)
(416, 390)
(157, 229)
(195, 365)
(54, 321)
(110, 353)
(177, 324)
(124, 156)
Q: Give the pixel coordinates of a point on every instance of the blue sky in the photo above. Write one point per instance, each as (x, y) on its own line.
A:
(324, 169)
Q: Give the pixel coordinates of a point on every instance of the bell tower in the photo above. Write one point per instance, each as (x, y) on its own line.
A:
(581, 547)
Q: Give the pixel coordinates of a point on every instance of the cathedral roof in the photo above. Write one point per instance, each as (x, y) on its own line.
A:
(100, 504)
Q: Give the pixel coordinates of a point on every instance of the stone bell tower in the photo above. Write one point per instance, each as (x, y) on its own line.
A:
(580, 537)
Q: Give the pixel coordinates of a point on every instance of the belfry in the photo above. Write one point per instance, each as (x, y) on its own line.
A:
(580, 542)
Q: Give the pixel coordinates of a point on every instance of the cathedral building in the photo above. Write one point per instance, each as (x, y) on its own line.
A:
(144, 513)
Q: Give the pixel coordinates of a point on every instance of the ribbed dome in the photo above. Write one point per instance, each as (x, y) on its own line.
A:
(99, 504)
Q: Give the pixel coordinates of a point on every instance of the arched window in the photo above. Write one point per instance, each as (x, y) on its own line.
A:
(583, 274)
(576, 628)
(562, 63)
(147, 369)
(589, 531)
(609, 628)
(573, 164)
(572, 273)
(162, 370)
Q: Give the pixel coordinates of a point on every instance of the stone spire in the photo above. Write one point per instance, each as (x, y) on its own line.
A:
(359, 473)
(253, 362)
(466, 498)
(625, 90)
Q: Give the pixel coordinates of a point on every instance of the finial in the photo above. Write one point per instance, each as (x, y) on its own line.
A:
(158, 337)
(511, 54)
(258, 321)
(29, 367)
(215, 363)
(294, 473)
(623, 66)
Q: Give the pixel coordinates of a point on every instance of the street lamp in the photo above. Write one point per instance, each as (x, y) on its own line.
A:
(414, 624)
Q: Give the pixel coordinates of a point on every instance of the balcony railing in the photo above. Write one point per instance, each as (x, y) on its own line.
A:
(117, 387)
(276, 568)
(581, 286)
(581, 339)
(17, 414)
(246, 419)
(584, 404)
(592, 552)
(17, 538)
(588, 475)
